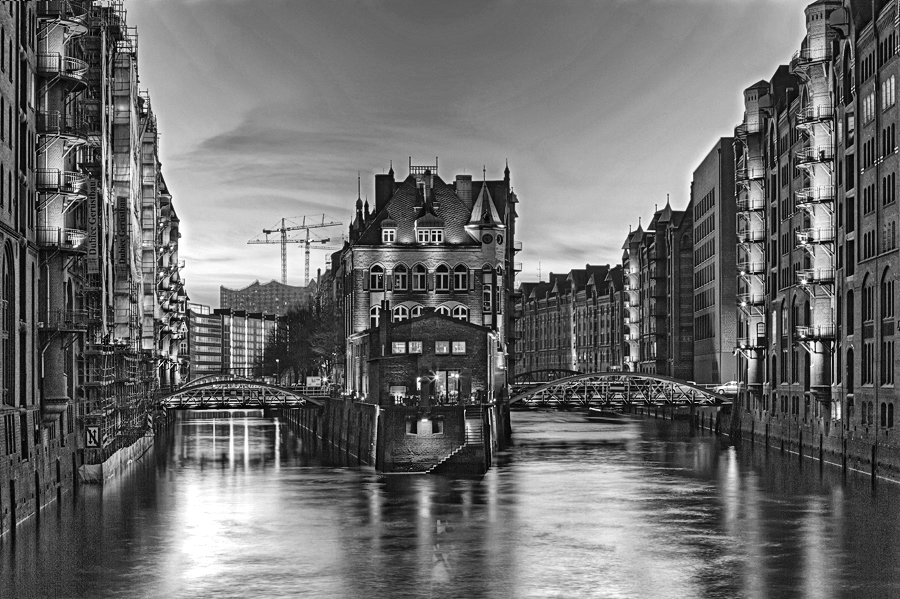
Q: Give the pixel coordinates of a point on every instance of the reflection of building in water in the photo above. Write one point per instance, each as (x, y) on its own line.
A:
(232, 437)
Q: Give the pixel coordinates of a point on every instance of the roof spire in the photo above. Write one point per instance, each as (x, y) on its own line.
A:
(667, 199)
(391, 172)
(358, 186)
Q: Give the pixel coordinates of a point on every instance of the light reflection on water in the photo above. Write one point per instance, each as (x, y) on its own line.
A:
(235, 508)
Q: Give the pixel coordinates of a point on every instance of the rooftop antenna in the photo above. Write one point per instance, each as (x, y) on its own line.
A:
(540, 278)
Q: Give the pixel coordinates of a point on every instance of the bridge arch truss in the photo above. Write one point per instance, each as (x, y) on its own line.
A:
(220, 392)
(615, 389)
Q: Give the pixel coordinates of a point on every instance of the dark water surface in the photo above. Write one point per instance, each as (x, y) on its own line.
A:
(232, 508)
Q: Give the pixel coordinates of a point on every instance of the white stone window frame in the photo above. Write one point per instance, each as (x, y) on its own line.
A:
(389, 235)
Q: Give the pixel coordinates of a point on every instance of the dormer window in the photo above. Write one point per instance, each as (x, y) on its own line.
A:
(430, 235)
(388, 235)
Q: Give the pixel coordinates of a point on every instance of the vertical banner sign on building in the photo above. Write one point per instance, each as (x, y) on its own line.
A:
(93, 222)
(122, 250)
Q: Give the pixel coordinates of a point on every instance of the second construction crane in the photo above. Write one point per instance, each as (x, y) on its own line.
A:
(292, 224)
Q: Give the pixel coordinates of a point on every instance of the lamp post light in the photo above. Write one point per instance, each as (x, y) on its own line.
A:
(277, 371)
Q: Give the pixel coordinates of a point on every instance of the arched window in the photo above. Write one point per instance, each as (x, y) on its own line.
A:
(443, 310)
(416, 311)
(850, 312)
(401, 277)
(887, 294)
(374, 313)
(460, 278)
(442, 278)
(418, 277)
(461, 313)
(376, 278)
(401, 313)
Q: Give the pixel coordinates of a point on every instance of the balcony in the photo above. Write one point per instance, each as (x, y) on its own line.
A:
(815, 332)
(517, 246)
(55, 123)
(810, 196)
(751, 268)
(71, 12)
(751, 299)
(815, 276)
(56, 181)
(751, 343)
(807, 57)
(815, 236)
(65, 320)
(749, 173)
(56, 65)
(517, 267)
(751, 235)
(815, 114)
(65, 240)
(818, 155)
(751, 204)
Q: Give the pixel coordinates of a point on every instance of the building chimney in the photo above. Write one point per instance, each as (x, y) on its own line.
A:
(384, 189)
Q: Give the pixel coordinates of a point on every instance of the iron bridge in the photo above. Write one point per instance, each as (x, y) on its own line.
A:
(233, 392)
(615, 389)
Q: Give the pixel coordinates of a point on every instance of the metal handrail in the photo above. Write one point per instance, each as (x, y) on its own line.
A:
(807, 236)
(818, 331)
(65, 66)
(815, 275)
(61, 181)
(65, 239)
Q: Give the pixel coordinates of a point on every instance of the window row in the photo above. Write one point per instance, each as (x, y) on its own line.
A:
(401, 313)
(415, 279)
(457, 348)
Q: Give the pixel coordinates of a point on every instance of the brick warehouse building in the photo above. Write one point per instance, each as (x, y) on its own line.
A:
(92, 303)
(429, 245)
(820, 196)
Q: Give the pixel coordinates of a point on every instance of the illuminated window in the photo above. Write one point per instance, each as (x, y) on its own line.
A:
(415, 347)
(442, 347)
(459, 347)
(376, 278)
(398, 347)
(401, 277)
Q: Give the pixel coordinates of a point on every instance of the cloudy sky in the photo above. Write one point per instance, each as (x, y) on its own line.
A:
(269, 108)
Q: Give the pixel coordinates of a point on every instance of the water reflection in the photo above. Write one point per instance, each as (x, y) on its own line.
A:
(236, 507)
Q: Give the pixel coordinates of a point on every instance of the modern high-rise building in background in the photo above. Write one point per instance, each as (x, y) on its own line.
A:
(271, 298)
(92, 298)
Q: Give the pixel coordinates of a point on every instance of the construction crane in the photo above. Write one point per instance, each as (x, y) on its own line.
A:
(290, 224)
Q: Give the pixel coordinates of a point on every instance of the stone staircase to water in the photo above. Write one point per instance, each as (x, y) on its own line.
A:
(468, 458)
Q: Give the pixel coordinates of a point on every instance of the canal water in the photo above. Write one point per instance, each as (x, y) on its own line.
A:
(235, 508)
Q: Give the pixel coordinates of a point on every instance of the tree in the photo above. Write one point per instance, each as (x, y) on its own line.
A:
(307, 342)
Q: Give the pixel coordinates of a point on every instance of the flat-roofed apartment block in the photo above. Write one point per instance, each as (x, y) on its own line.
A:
(430, 246)
(204, 341)
(714, 286)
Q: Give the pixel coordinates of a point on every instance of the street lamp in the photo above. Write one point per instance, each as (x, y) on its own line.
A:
(277, 371)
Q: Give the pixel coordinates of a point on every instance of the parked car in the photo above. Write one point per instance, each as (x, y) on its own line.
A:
(730, 388)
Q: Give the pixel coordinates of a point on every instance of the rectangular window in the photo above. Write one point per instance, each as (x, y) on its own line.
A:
(398, 347)
(442, 347)
(415, 347)
(437, 235)
(388, 235)
(459, 347)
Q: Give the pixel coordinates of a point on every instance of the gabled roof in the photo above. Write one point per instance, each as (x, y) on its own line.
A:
(484, 212)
